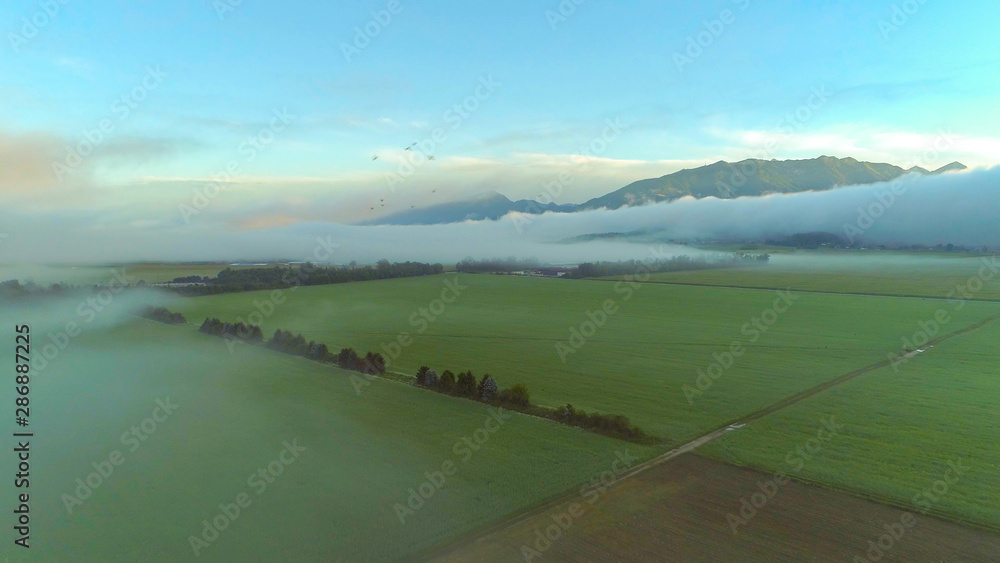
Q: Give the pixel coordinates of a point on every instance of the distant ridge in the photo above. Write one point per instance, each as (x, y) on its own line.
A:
(724, 180)
(754, 177)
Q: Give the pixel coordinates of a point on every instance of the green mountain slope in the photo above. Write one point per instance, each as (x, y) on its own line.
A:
(754, 177)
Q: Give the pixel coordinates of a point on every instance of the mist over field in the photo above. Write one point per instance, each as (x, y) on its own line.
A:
(556, 281)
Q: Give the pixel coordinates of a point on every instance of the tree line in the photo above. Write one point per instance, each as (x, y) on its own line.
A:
(161, 314)
(14, 289)
(287, 342)
(283, 277)
(463, 385)
(674, 264)
(518, 398)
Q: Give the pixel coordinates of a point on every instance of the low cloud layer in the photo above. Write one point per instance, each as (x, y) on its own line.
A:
(954, 208)
(957, 208)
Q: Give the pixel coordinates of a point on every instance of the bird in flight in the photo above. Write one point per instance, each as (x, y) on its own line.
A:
(431, 157)
(375, 157)
(410, 147)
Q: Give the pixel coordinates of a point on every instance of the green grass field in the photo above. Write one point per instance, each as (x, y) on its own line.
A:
(901, 429)
(888, 275)
(334, 502)
(636, 365)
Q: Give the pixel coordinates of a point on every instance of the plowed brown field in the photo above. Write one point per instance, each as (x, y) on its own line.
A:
(678, 512)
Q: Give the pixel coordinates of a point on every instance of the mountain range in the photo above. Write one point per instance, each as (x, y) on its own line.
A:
(724, 180)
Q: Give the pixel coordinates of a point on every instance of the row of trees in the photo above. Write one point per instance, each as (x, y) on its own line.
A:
(283, 277)
(13, 289)
(463, 385)
(674, 264)
(609, 424)
(518, 398)
(161, 314)
(251, 334)
(287, 342)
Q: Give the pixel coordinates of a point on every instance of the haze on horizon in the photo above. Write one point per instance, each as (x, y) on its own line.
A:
(115, 122)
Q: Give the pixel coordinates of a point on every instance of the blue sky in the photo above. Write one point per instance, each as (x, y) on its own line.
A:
(892, 86)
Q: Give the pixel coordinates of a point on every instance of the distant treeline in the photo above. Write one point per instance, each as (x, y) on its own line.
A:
(809, 241)
(13, 289)
(162, 315)
(500, 265)
(283, 277)
(191, 279)
(463, 385)
(675, 264)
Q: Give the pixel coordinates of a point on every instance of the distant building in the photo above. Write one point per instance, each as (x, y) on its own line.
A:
(553, 272)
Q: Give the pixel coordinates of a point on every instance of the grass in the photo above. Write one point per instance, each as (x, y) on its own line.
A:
(678, 512)
(363, 454)
(636, 365)
(891, 275)
(901, 430)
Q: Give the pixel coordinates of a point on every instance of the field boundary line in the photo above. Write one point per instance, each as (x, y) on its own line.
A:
(819, 291)
(470, 538)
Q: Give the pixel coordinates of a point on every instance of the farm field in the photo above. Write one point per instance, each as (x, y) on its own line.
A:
(887, 275)
(238, 413)
(637, 364)
(159, 273)
(933, 420)
(679, 512)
